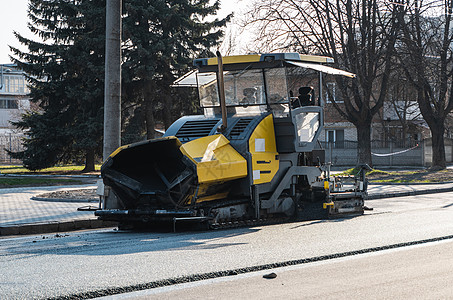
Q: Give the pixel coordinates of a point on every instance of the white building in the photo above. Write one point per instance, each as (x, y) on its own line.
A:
(14, 98)
(14, 101)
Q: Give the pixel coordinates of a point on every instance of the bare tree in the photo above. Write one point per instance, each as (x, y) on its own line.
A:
(359, 34)
(400, 106)
(426, 54)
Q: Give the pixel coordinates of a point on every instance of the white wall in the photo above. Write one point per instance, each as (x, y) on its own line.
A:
(350, 132)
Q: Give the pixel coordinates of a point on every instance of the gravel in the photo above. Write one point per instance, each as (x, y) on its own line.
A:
(74, 195)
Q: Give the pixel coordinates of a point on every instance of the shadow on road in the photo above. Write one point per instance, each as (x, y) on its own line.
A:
(122, 243)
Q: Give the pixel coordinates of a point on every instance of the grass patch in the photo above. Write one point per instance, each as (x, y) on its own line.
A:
(391, 181)
(378, 172)
(355, 171)
(400, 181)
(60, 170)
(15, 182)
(407, 177)
(349, 172)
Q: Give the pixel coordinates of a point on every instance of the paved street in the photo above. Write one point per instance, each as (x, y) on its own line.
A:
(100, 260)
(420, 272)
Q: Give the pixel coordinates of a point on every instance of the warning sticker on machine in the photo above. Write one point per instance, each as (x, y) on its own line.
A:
(260, 145)
(256, 174)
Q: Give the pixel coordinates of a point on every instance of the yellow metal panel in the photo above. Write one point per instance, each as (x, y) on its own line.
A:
(215, 158)
(264, 167)
(217, 196)
(316, 58)
(263, 148)
(204, 195)
(235, 59)
(197, 148)
(233, 167)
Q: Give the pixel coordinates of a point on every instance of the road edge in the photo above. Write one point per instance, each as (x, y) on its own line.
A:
(51, 227)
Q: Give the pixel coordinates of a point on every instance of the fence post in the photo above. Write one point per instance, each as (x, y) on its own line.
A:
(423, 152)
(10, 148)
(391, 151)
(331, 151)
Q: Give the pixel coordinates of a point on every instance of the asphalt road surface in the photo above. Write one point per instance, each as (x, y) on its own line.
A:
(414, 272)
(103, 262)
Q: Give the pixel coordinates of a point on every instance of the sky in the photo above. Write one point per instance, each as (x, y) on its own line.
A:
(13, 17)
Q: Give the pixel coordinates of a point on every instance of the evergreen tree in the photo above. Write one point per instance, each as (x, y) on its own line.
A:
(161, 39)
(66, 77)
(66, 70)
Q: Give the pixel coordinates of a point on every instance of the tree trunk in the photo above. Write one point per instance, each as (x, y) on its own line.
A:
(89, 161)
(437, 132)
(436, 123)
(112, 102)
(167, 119)
(364, 143)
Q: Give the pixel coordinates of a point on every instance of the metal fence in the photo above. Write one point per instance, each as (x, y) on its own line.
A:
(375, 144)
(10, 142)
(344, 153)
(384, 153)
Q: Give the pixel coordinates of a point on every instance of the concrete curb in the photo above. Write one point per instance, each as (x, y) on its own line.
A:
(47, 188)
(49, 176)
(411, 183)
(50, 227)
(411, 193)
(64, 200)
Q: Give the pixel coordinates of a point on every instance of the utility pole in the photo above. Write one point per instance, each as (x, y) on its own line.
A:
(112, 96)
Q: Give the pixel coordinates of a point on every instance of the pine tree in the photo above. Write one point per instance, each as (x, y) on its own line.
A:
(66, 77)
(66, 68)
(161, 39)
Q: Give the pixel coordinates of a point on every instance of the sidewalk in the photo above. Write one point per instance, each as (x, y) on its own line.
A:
(379, 191)
(19, 214)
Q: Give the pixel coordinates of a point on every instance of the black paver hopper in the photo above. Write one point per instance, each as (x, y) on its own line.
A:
(150, 175)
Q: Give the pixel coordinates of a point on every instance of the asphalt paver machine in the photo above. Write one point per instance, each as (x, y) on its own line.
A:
(252, 157)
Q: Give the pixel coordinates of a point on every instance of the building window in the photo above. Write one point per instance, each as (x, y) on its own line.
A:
(335, 138)
(14, 84)
(331, 93)
(9, 104)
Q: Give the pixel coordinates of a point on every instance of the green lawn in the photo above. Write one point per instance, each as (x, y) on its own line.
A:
(354, 171)
(58, 170)
(6, 181)
(416, 176)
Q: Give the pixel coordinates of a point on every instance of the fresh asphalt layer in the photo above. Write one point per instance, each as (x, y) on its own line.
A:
(386, 274)
(22, 213)
(129, 259)
(127, 292)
